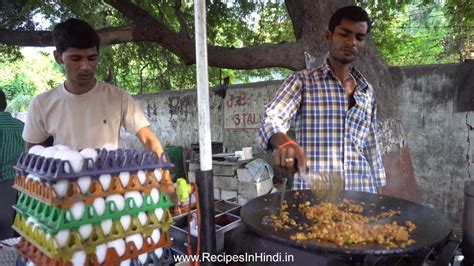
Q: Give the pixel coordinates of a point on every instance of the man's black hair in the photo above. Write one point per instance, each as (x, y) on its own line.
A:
(3, 101)
(75, 33)
(354, 13)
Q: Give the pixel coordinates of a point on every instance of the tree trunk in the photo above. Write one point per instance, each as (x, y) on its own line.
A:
(310, 19)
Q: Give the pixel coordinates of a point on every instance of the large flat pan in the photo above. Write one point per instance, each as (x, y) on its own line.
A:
(432, 226)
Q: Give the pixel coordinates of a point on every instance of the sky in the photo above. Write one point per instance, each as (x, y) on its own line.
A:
(42, 24)
(34, 51)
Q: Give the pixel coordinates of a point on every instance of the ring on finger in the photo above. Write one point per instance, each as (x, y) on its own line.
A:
(289, 160)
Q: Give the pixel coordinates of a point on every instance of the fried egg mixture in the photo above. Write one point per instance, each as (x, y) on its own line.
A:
(344, 225)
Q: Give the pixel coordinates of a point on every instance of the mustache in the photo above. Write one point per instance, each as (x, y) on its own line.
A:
(348, 49)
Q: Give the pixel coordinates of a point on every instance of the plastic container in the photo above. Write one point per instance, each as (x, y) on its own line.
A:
(175, 154)
(216, 147)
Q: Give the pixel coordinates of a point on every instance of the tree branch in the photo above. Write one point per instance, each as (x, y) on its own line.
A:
(145, 28)
(109, 35)
(152, 30)
(26, 38)
(184, 28)
(258, 56)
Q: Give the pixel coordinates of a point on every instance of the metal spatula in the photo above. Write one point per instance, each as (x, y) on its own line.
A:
(325, 186)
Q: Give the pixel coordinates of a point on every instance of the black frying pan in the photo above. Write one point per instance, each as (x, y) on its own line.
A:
(432, 226)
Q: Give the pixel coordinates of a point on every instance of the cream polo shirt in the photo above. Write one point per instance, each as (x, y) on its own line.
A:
(80, 121)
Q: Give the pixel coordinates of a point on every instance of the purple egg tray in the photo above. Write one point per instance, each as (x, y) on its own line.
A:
(108, 162)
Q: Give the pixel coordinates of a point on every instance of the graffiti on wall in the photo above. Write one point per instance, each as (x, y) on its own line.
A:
(182, 106)
(243, 109)
(151, 109)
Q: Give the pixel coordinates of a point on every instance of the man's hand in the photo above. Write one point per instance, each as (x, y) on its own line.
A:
(288, 154)
(149, 141)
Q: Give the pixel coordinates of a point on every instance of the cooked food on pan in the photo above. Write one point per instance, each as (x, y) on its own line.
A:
(344, 225)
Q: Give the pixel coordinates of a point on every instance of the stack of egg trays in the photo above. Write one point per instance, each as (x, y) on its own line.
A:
(52, 218)
(52, 170)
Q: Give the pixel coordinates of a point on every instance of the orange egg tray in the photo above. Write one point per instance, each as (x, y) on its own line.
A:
(46, 193)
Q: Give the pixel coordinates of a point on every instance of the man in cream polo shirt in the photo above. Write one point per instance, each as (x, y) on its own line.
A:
(84, 112)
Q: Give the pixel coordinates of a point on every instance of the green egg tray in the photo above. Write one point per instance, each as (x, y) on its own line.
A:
(54, 219)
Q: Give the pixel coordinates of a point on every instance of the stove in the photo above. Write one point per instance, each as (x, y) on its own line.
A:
(446, 253)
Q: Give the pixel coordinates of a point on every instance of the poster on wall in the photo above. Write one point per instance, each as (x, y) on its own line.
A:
(243, 108)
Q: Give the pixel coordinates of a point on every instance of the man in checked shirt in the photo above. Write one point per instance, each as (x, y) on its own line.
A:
(334, 109)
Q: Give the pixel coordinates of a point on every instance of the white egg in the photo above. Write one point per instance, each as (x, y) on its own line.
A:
(33, 228)
(58, 154)
(155, 236)
(49, 152)
(29, 176)
(149, 200)
(79, 258)
(143, 258)
(155, 195)
(36, 149)
(30, 220)
(85, 231)
(108, 146)
(33, 222)
(99, 206)
(119, 245)
(118, 200)
(124, 178)
(157, 173)
(142, 217)
(61, 188)
(77, 210)
(84, 184)
(149, 241)
(159, 213)
(89, 153)
(36, 178)
(136, 196)
(33, 177)
(75, 159)
(125, 263)
(159, 252)
(106, 225)
(104, 180)
(62, 238)
(125, 221)
(62, 147)
(141, 176)
(100, 252)
(137, 239)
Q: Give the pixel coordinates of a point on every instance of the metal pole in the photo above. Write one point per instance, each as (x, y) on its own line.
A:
(204, 178)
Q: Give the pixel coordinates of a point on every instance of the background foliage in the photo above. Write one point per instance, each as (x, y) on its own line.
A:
(405, 32)
(422, 32)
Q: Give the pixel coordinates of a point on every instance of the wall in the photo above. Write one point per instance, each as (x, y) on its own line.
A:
(437, 136)
(235, 115)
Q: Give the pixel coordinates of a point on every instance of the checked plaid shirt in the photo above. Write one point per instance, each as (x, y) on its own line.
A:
(333, 137)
